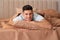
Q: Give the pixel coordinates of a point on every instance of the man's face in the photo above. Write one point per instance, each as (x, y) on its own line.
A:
(28, 15)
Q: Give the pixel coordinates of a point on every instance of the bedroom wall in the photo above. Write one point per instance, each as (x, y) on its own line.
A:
(8, 7)
(59, 5)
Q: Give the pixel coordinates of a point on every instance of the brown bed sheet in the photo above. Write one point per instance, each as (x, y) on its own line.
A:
(26, 34)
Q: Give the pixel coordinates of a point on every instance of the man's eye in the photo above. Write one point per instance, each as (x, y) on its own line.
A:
(26, 14)
(30, 13)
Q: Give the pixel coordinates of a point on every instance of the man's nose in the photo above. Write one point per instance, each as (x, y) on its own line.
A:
(28, 16)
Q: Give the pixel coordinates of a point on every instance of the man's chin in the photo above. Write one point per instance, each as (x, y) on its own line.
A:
(27, 20)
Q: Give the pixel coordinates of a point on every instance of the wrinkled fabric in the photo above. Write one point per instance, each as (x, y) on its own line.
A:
(33, 34)
(27, 34)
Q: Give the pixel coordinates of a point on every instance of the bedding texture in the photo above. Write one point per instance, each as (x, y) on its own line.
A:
(23, 30)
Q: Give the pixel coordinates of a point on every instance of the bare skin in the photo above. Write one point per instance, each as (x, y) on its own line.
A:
(42, 24)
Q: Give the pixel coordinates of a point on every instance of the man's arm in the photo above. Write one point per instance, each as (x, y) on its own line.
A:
(33, 24)
(26, 24)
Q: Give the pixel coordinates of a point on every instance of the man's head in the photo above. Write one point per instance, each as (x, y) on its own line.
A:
(27, 12)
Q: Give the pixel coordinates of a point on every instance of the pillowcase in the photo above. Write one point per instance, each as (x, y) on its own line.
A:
(55, 21)
(18, 10)
(50, 12)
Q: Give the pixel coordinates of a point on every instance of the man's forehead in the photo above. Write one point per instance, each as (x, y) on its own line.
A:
(28, 11)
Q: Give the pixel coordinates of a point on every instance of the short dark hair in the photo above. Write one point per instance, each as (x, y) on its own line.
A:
(27, 7)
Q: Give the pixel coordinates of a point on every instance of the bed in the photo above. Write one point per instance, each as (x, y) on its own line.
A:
(33, 34)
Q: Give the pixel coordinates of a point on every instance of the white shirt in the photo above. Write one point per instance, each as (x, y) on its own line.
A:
(36, 17)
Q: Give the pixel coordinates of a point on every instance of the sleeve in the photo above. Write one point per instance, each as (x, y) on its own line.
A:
(38, 17)
(17, 19)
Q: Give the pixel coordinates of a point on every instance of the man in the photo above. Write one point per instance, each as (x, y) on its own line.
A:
(29, 15)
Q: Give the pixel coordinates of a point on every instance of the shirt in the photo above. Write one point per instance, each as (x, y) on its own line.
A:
(36, 17)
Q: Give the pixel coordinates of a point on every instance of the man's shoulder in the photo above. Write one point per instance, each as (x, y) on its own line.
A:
(37, 17)
(18, 18)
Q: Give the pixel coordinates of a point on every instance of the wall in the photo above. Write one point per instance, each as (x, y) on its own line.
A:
(8, 7)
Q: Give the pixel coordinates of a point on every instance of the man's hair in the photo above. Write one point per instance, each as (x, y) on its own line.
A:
(27, 7)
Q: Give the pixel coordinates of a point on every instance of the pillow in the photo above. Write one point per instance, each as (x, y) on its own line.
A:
(53, 20)
(50, 15)
(18, 10)
(50, 12)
